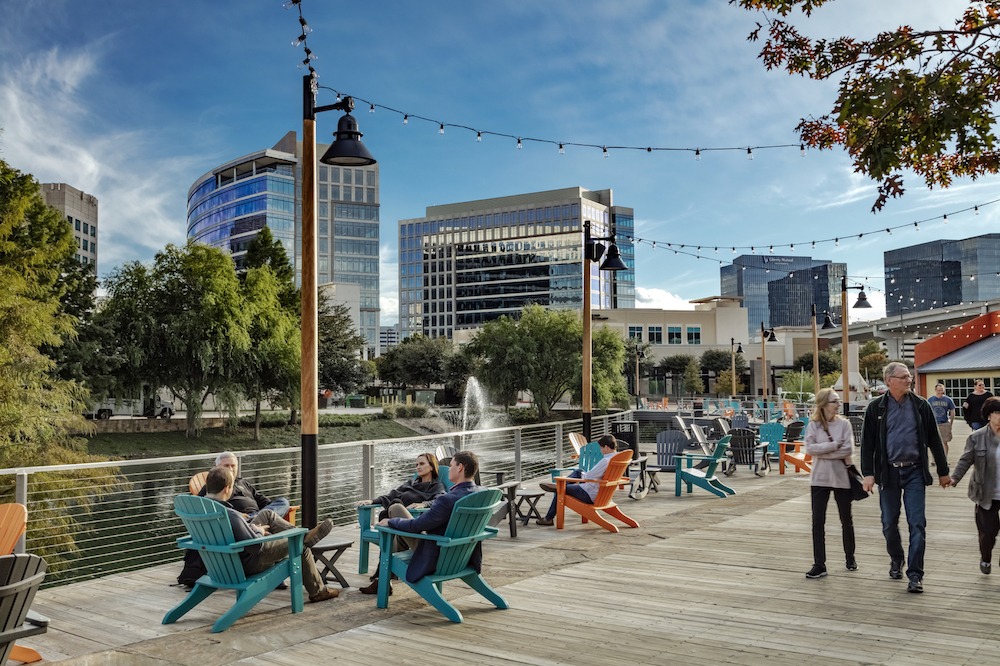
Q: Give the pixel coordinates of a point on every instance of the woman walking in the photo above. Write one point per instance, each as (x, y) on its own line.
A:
(981, 454)
(830, 440)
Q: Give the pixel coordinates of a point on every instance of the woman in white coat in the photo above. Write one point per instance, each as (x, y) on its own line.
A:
(830, 442)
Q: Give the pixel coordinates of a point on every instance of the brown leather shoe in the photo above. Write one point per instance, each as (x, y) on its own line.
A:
(545, 522)
(324, 594)
(372, 588)
(318, 533)
(547, 487)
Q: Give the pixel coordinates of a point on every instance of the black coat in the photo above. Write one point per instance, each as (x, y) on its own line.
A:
(874, 458)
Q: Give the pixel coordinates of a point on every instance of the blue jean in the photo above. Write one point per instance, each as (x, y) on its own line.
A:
(904, 488)
(279, 505)
(976, 425)
(574, 490)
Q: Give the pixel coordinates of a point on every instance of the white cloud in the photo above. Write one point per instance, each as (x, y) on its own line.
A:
(388, 299)
(660, 299)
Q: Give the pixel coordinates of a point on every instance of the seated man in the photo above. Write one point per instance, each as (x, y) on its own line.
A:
(461, 472)
(246, 499)
(219, 487)
(585, 492)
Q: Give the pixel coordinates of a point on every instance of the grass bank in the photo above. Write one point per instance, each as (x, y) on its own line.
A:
(274, 434)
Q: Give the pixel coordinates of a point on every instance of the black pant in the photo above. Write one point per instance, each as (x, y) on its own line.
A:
(820, 498)
(988, 524)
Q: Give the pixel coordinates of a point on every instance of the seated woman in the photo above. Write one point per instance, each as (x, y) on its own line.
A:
(418, 492)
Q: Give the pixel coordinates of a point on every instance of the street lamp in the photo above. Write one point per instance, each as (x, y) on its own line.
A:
(827, 324)
(593, 251)
(766, 335)
(346, 150)
(732, 363)
(845, 365)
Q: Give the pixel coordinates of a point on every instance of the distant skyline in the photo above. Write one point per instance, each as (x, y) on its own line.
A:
(132, 102)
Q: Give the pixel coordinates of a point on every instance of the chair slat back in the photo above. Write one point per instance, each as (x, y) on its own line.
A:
(793, 431)
(13, 521)
(682, 426)
(742, 445)
(741, 420)
(590, 455)
(772, 433)
(717, 457)
(208, 524)
(577, 441)
(197, 482)
(702, 440)
(668, 444)
(857, 427)
(617, 468)
(469, 517)
(20, 576)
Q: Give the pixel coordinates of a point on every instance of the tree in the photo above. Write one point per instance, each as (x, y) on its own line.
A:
(828, 362)
(634, 347)
(264, 250)
(416, 361)
(341, 367)
(871, 360)
(183, 323)
(692, 378)
(271, 363)
(908, 99)
(497, 349)
(606, 378)
(675, 366)
(717, 360)
(796, 384)
(724, 383)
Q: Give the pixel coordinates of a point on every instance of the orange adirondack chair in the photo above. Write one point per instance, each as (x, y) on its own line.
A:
(609, 483)
(197, 482)
(13, 522)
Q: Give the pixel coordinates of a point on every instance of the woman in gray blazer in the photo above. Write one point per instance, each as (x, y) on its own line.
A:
(830, 441)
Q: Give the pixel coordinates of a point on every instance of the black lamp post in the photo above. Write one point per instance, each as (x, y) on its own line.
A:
(640, 354)
(845, 365)
(593, 251)
(346, 150)
(766, 335)
(734, 349)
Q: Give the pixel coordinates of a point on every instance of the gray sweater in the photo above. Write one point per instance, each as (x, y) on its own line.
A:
(980, 454)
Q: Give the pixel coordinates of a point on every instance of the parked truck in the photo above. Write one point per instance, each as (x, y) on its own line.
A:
(151, 408)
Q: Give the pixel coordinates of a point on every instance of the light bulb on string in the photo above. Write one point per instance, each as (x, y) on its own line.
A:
(802, 150)
(519, 143)
(836, 242)
(305, 26)
(945, 219)
(975, 209)
(479, 137)
(749, 154)
(441, 128)
(697, 154)
(562, 149)
(372, 109)
(605, 152)
(406, 119)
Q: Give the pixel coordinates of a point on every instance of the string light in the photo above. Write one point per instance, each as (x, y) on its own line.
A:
(749, 154)
(562, 149)
(479, 137)
(697, 154)
(441, 128)
(406, 120)
(519, 143)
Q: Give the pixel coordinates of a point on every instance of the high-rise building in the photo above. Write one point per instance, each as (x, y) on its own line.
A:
(464, 264)
(80, 210)
(230, 204)
(388, 336)
(941, 273)
(781, 290)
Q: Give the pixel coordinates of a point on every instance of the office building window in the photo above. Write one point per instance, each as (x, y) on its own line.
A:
(656, 335)
(673, 335)
(694, 335)
(635, 333)
(76, 224)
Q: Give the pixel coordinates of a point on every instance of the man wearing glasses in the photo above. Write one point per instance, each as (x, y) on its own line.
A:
(899, 429)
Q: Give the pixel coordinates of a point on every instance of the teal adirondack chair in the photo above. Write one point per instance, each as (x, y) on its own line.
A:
(211, 534)
(703, 478)
(467, 527)
(590, 455)
(366, 516)
(772, 433)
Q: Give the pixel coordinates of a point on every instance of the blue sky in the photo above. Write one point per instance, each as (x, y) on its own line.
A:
(132, 101)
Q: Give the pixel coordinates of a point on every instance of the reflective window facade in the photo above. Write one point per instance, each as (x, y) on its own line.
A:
(781, 290)
(228, 206)
(466, 264)
(940, 273)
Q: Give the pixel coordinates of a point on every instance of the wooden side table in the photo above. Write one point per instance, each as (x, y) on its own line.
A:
(527, 505)
(326, 553)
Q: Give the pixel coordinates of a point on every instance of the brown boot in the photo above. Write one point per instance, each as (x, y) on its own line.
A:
(324, 594)
(318, 533)
(372, 588)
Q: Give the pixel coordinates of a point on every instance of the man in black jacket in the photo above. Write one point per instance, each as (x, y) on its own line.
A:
(898, 432)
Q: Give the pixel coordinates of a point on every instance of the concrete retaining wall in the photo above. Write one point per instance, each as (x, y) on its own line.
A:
(153, 425)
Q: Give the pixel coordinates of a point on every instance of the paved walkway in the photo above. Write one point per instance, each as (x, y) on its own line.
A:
(703, 581)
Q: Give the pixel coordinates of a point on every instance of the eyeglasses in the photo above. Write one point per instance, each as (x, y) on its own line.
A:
(906, 377)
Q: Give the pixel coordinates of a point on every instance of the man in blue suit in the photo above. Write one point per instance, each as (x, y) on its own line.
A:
(462, 473)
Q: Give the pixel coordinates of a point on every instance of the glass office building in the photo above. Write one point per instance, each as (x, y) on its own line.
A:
(942, 273)
(230, 204)
(465, 264)
(781, 290)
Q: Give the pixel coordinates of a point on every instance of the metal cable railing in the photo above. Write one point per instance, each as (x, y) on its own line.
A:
(94, 519)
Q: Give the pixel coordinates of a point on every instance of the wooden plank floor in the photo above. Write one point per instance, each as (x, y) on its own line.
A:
(703, 581)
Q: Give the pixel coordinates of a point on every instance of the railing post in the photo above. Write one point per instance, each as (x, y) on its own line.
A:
(368, 470)
(21, 497)
(457, 442)
(559, 441)
(517, 456)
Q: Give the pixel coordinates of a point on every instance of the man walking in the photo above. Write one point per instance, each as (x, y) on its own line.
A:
(944, 414)
(899, 430)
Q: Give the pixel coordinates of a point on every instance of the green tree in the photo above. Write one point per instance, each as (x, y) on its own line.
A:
(496, 346)
(606, 378)
(872, 359)
(341, 366)
(39, 410)
(675, 366)
(692, 378)
(270, 366)
(724, 383)
(828, 362)
(183, 324)
(797, 384)
(458, 367)
(918, 99)
(634, 347)
(416, 361)
(264, 250)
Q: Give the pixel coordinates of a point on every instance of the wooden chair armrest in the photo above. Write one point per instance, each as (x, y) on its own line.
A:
(237, 546)
(488, 533)
(365, 514)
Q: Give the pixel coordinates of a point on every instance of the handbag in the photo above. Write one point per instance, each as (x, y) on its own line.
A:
(858, 491)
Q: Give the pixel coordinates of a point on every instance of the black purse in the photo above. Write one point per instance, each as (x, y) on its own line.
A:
(858, 491)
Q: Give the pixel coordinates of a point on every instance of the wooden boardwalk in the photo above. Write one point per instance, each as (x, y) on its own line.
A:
(703, 581)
